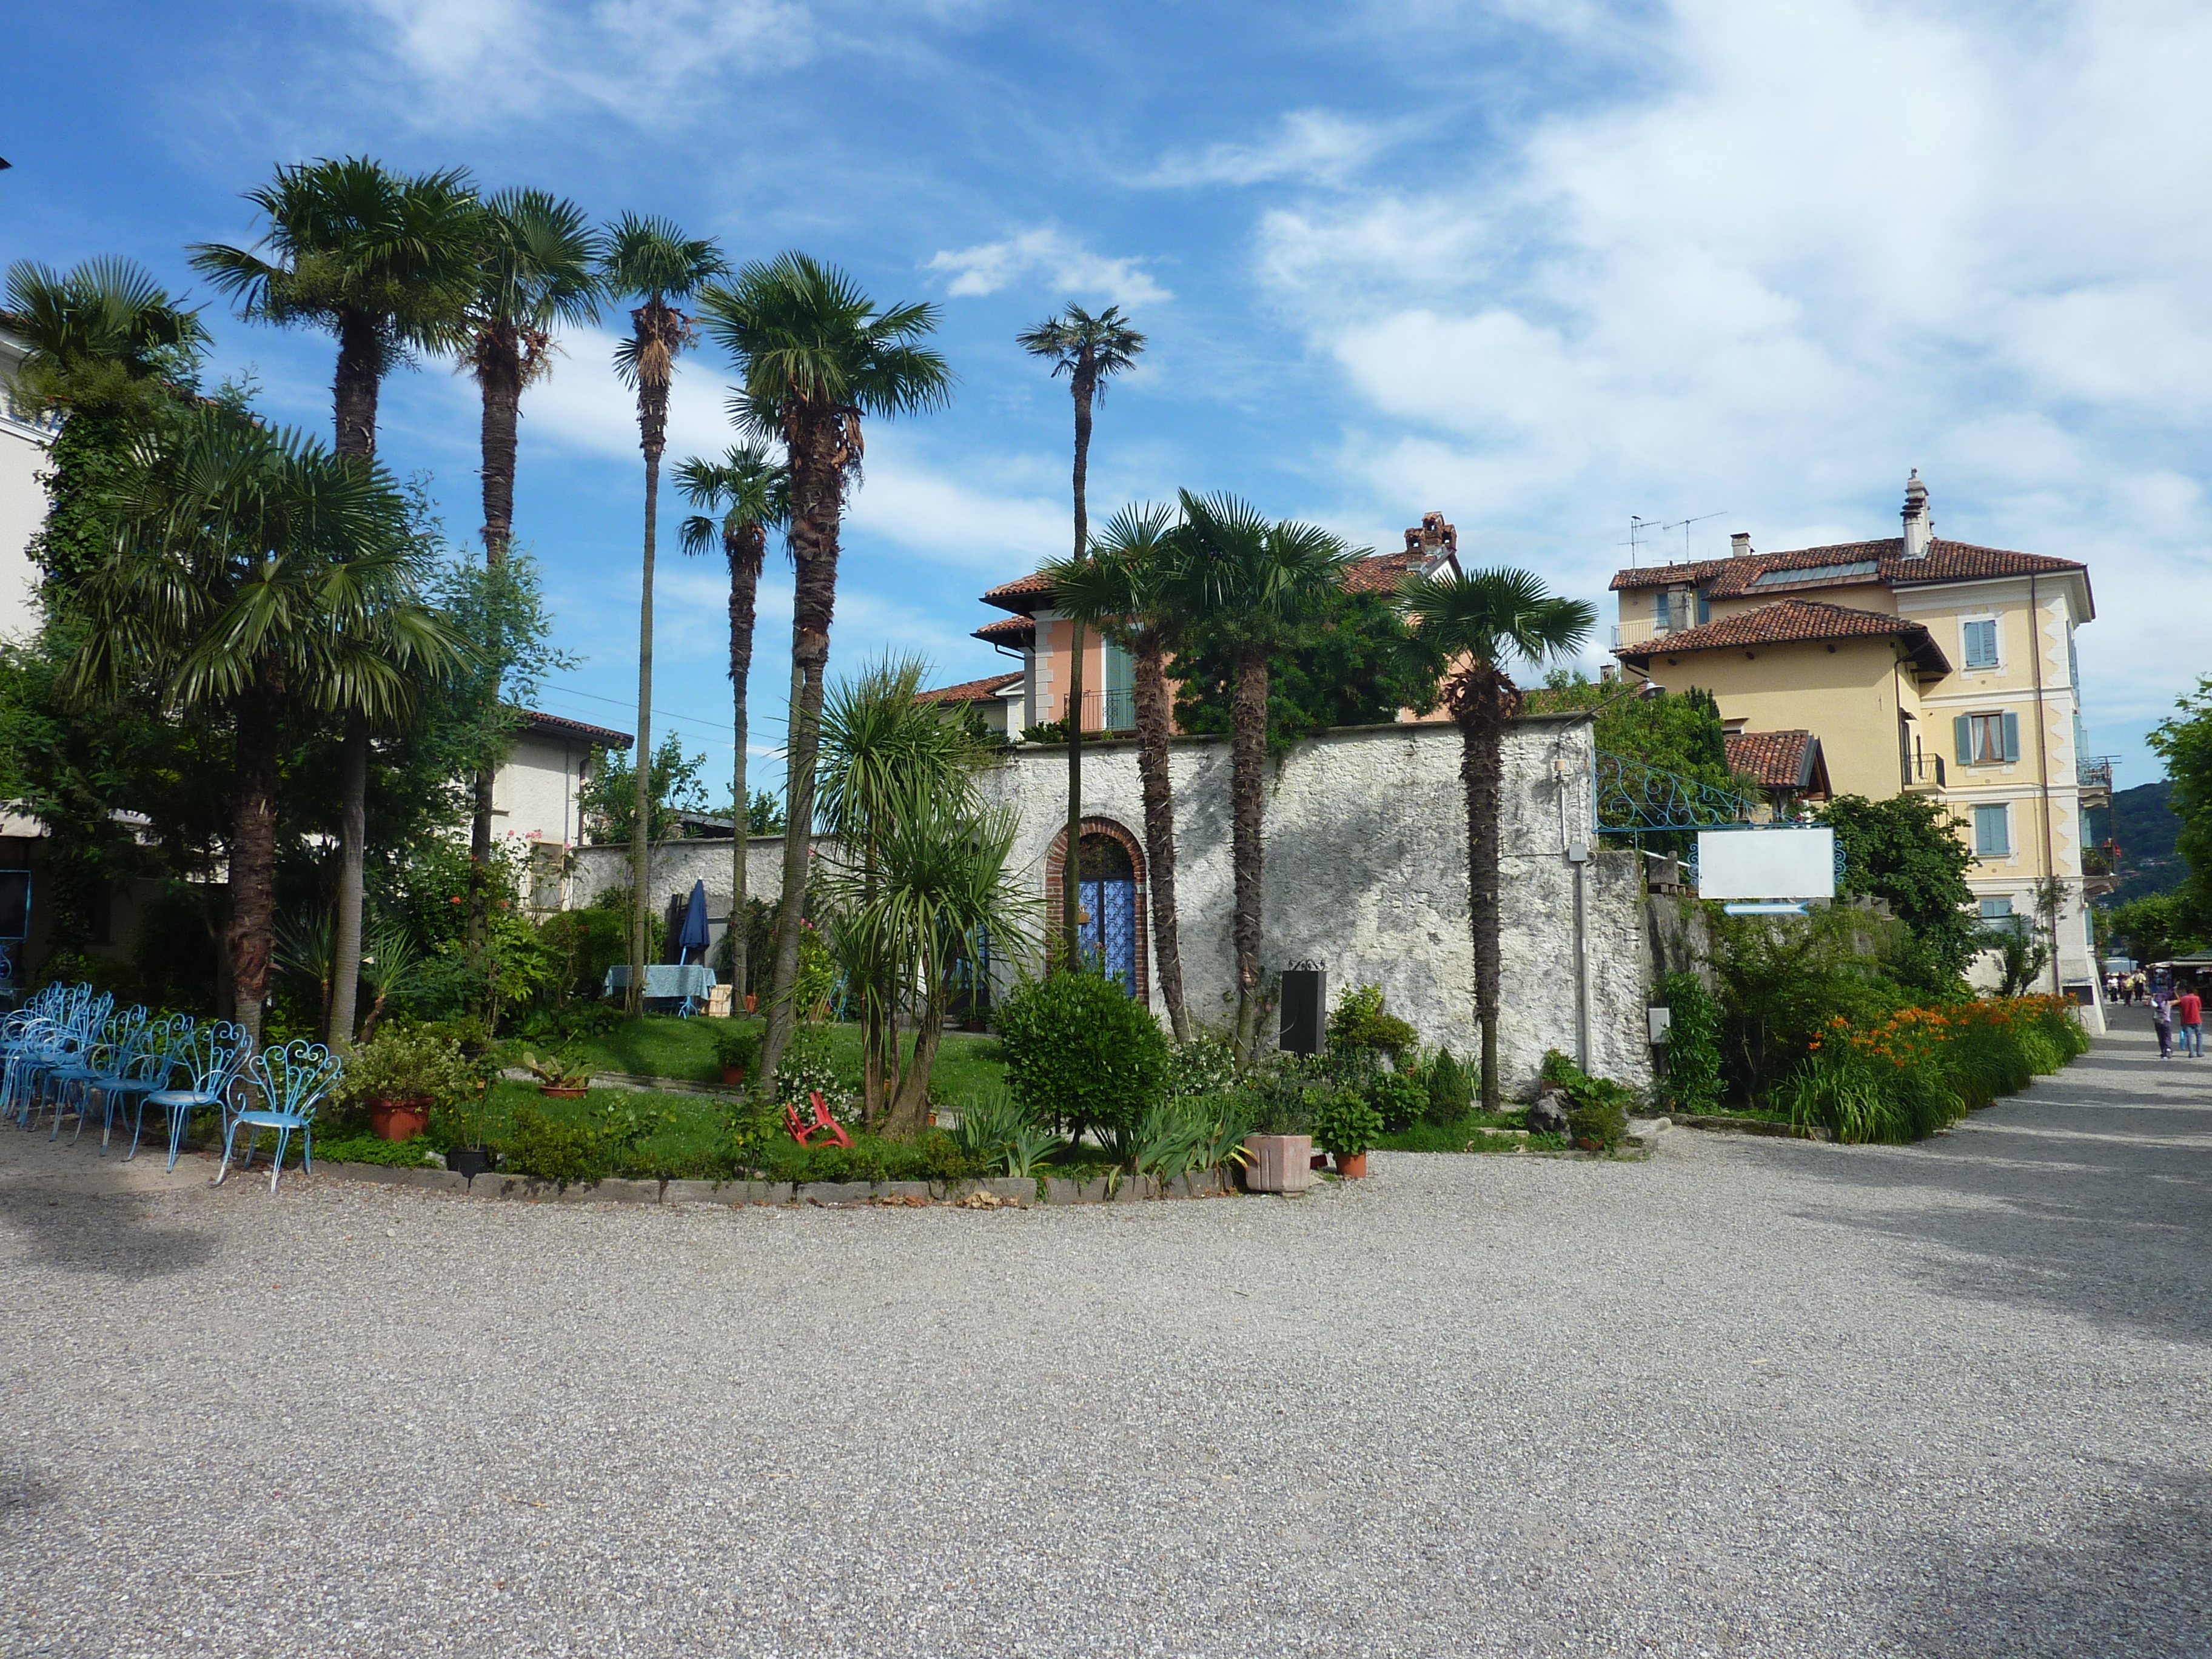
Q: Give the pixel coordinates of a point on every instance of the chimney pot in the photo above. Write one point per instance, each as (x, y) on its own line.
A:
(1740, 545)
(1918, 528)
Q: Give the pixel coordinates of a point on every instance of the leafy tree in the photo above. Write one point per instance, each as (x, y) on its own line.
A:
(1908, 851)
(652, 260)
(1121, 590)
(1255, 583)
(608, 799)
(1345, 665)
(1472, 625)
(2157, 926)
(752, 493)
(2183, 742)
(1676, 732)
(815, 356)
(764, 814)
(1090, 350)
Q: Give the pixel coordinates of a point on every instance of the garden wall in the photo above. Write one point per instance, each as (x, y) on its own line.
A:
(1366, 872)
(676, 866)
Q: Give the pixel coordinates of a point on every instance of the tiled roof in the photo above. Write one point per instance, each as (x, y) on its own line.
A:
(556, 725)
(1009, 630)
(1946, 561)
(1381, 573)
(1019, 594)
(1792, 621)
(1779, 760)
(969, 691)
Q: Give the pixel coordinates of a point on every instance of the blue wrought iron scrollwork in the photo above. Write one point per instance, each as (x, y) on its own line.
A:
(1633, 799)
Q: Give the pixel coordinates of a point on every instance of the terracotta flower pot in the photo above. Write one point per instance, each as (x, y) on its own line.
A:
(753, 1002)
(732, 1076)
(565, 1091)
(1351, 1166)
(398, 1119)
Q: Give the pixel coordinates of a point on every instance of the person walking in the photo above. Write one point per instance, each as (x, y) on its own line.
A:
(2161, 1019)
(2189, 1018)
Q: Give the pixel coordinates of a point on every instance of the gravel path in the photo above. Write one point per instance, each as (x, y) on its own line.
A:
(1750, 1397)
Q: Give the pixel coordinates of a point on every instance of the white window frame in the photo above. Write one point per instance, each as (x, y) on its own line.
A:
(1996, 620)
(2004, 806)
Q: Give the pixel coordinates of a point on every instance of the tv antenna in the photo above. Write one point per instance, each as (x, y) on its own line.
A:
(1639, 530)
(1683, 525)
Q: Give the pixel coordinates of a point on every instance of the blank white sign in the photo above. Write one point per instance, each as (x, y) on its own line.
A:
(1766, 864)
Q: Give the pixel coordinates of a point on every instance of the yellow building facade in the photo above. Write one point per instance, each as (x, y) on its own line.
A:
(1922, 667)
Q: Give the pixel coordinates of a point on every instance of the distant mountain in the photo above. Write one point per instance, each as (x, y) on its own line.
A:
(2145, 829)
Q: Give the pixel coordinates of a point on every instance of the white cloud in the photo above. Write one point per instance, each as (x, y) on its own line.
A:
(1065, 264)
(1816, 246)
(1313, 145)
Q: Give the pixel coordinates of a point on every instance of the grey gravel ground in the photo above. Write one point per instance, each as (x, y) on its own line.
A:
(1750, 1397)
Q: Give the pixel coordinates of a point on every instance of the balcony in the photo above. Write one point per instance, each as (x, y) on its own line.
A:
(2100, 869)
(1106, 712)
(2095, 774)
(1923, 772)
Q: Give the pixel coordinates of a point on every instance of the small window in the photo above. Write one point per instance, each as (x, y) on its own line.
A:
(1659, 611)
(1981, 642)
(1704, 608)
(1986, 739)
(1997, 915)
(1993, 834)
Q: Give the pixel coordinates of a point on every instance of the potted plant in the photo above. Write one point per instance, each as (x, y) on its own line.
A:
(399, 1074)
(563, 1075)
(737, 1050)
(1347, 1125)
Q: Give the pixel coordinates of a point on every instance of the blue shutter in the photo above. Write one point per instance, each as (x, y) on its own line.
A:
(2011, 737)
(1964, 737)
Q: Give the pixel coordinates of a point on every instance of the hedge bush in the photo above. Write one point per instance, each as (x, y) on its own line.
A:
(1692, 1081)
(1080, 1051)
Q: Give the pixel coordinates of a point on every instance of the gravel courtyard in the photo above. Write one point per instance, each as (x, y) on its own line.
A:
(1750, 1397)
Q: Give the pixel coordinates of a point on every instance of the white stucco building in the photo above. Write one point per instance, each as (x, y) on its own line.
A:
(536, 797)
(23, 446)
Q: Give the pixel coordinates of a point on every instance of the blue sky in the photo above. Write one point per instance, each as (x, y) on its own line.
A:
(1543, 266)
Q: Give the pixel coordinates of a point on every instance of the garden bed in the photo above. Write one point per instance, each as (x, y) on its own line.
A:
(1000, 1192)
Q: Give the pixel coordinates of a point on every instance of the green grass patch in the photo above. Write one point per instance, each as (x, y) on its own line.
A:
(661, 1045)
(364, 1149)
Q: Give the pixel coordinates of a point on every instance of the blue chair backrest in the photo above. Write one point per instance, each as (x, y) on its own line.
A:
(154, 1048)
(215, 1055)
(296, 1078)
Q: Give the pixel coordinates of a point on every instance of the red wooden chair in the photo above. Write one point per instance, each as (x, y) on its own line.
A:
(801, 1131)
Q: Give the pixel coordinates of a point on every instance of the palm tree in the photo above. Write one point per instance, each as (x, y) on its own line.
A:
(102, 336)
(1121, 591)
(1471, 626)
(1090, 350)
(753, 495)
(387, 264)
(655, 262)
(883, 750)
(537, 267)
(1251, 582)
(814, 355)
(242, 559)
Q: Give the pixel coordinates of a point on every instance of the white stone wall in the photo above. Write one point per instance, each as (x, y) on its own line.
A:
(676, 866)
(1365, 845)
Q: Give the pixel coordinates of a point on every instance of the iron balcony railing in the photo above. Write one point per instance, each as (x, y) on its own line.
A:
(1106, 711)
(1923, 768)
(2094, 772)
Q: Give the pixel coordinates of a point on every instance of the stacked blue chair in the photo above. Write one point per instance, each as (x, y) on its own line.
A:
(71, 1082)
(288, 1084)
(55, 1046)
(142, 1070)
(213, 1057)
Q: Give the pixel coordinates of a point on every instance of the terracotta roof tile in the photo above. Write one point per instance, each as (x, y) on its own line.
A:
(559, 725)
(1946, 561)
(969, 691)
(1790, 622)
(1009, 630)
(1779, 760)
(1381, 573)
(1019, 594)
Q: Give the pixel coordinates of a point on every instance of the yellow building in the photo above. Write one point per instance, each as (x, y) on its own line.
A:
(1922, 667)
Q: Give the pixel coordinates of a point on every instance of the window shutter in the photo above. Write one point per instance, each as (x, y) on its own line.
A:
(2011, 737)
(1964, 736)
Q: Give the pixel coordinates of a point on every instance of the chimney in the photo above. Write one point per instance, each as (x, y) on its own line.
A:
(1740, 545)
(1919, 529)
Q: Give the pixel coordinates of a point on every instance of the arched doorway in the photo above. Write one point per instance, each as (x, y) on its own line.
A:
(1110, 900)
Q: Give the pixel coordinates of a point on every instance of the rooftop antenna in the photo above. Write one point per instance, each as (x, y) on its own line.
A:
(1638, 528)
(1683, 525)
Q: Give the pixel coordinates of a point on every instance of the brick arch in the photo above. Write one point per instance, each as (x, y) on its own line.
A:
(1055, 869)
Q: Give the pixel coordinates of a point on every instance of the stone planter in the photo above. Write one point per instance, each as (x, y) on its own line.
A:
(398, 1119)
(1281, 1164)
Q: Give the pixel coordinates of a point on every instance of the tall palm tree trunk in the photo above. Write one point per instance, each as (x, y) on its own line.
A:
(1071, 872)
(499, 377)
(817, 500)
(1483, 707)
(252, 933)
(359, 371)
(353, 835)
(653, 408)
(1152, 729)
(746, 551)
(1248, 754)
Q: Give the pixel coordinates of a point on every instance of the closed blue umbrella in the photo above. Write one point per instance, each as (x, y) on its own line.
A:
(692, 936)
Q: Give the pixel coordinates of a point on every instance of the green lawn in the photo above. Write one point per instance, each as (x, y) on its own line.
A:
(661, 1045)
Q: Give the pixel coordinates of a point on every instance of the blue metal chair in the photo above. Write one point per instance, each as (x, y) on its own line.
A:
(59, 1047)
(289, 1084)
(143, 1070)
(80, 1071)
(216, 1055)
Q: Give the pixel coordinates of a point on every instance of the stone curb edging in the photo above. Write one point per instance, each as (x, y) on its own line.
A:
(1017, 1193)
(1750, 1125)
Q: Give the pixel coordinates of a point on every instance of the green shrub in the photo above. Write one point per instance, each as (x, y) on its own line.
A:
(737, 1045)
(1083, 1053)
(1397, 1100)
(1597, 1107)
(554, 1150)
(807, 1069)
(1359, 1022)
(1451, 1091)
(409, 1062)
(1783, 981)
(369, 1149)
(1346, 1124)
(1692, 1081)
(1204, 1065)
(1189, 1133)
